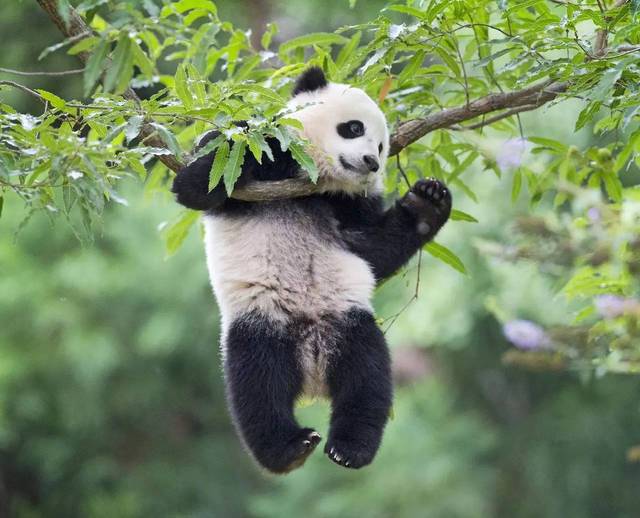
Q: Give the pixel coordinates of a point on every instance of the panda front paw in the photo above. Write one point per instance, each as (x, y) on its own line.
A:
(429, 201)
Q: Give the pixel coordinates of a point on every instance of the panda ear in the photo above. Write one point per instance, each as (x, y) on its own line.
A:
(312, 79)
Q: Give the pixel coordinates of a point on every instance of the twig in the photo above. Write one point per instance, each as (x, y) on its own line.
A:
(54, 74)
(495, 118)
(602, 36)
(413, 298)
(404, 175)
(76, 27)
(25, 89)
(406, 133)
(533, 97)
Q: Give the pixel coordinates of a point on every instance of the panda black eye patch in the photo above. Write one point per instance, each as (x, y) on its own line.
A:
(350, 129)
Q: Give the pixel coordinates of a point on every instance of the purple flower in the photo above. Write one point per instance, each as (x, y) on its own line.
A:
(594, 215)
(611, 306)
(510, 154)
(525, 334)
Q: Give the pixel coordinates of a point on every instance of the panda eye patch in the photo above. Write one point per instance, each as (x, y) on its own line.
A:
(350, 129)
(380, 148)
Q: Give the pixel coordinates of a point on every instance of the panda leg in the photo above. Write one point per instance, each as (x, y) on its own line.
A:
(263, 379)
(359, 380)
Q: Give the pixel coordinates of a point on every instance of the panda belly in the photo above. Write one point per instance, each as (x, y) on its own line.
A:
(287, 264)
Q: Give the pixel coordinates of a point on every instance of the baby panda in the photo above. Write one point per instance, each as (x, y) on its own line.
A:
(294, 278)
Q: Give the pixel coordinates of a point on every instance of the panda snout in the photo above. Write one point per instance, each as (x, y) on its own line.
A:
(371, 162)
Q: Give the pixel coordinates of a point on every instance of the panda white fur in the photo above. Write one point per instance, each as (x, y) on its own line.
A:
(294, 278)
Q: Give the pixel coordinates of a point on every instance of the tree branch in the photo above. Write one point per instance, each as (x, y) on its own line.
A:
(532, 97)
(406, 133)
(76, 27)
(52, 74)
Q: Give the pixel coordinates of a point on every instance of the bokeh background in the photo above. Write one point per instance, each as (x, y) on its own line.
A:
(111, 399)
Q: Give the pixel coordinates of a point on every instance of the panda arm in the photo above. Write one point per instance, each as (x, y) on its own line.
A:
(191, 184)
(388, 239)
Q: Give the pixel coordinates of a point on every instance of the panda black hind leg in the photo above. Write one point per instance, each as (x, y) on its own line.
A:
(263, 379)
(359, 382)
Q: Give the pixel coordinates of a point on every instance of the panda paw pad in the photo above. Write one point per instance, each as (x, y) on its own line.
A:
(348, 455)
(300, 448)
(429, 201)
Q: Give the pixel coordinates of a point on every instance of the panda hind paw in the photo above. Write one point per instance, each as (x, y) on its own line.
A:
(348, 454)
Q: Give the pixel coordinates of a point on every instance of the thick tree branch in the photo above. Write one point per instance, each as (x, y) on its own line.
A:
(526, 99)
(406, 133)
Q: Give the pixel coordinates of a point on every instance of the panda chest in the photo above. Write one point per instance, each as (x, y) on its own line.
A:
(283, 265)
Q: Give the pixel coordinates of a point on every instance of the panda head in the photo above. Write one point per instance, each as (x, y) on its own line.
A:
(347, 130)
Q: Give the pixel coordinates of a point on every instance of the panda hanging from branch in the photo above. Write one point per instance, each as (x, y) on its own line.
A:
(294, 278)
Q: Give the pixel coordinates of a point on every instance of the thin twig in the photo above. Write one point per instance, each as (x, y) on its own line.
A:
(404, 175)
(496, 118)
(413, 298)
(54, 74)
(406, 133)
(25, 89)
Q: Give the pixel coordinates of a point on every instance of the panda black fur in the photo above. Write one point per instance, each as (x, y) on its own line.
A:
(294, 278)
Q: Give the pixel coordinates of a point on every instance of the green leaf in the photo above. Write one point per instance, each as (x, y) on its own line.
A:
(132, 129)
(347, 50)
(121, 66)
(264, 147)
(142, 60)
(255, 147)
(448, 60)
(176, 233)
(587, 114)
(55, 101)
(458, 215)
(94, 66)
(588, 281)
(283, 137)
(168, 138)
(306, 162)
(187, 5)
(294, 123)
(262, 92)
(410, 69)
(83, 45)
(445, 255)
(548, 143)
(315, 38)
(411, 11)
(64, 10)
(516, 187)
(209, 147)
(521, 4)
(182, 90)
(267, 36)
(234, 165)
(114, 132)
(613, 185)
(217, 167)
(1, 205)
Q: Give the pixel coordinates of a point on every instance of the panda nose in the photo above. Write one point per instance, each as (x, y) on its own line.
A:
(371, 162)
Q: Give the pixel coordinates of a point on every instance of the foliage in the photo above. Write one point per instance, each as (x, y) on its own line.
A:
(111, 404)
(109, 395)
(591, 253)
(204, 73)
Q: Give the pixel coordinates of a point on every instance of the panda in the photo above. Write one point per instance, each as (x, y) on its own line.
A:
(294, 278)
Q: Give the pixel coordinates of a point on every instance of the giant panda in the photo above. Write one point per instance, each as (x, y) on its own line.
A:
(294, 278)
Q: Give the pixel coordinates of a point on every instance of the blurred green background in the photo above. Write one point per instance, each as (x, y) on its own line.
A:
(111, 398)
